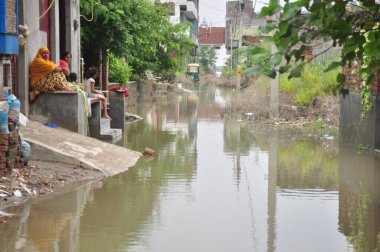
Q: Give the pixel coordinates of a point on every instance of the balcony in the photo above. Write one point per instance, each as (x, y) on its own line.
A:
(189, 10)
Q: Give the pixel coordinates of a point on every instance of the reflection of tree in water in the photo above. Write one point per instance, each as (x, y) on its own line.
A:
(357, 215)
(359, 197)
(129, 203)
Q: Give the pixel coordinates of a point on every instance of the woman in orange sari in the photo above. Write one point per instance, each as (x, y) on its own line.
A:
(45, 75)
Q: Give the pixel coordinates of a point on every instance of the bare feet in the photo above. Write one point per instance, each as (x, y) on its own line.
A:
(105, 115)
(33, 94)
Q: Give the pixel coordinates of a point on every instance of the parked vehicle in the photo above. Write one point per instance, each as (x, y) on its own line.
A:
(193, 71)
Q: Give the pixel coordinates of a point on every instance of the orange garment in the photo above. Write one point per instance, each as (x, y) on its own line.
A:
(40, 67)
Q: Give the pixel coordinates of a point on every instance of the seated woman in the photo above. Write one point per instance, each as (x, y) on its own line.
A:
(45, 75)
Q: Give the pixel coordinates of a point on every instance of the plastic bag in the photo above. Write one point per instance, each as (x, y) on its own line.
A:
(14, 108)
(4, 117)
(25, 148)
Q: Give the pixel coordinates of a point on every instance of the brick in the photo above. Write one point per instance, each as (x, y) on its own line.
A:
(4, 142)
(4, 136)
(3, 148)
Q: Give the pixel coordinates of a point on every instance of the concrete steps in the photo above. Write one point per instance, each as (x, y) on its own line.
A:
(105, 129)
(109, 134)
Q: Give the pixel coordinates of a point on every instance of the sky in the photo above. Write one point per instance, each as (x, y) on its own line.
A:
(214, 11)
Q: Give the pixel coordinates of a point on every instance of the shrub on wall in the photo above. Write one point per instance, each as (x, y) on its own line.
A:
(119, 71)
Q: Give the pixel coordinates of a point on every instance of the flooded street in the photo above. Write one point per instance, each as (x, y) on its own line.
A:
(213, 185)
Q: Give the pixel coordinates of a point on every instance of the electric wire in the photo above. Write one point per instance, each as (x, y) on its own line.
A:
(92, 13)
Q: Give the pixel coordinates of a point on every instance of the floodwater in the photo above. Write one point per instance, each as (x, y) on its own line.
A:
(213, 185)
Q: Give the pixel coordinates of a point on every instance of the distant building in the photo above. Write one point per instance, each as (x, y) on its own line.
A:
(184, 11)
(212, 36)
(242, 23)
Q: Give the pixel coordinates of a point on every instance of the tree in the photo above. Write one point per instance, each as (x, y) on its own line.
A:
(352, 25)
(207, 57)
(136, 30)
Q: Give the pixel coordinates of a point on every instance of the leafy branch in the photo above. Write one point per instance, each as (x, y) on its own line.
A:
(350, 25)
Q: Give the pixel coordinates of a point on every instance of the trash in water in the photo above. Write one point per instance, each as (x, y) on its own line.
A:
(327, 137)
(17, 193)
(148, 151)
(249, 115)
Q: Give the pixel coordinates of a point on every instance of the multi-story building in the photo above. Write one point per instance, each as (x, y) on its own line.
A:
(184, 11)
(214, 37)
(242, 23)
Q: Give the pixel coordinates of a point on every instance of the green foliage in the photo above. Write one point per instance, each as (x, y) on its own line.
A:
(119, 71)
(351, 25)
(313, 82)
(136, 30)
(257, 59)
(207, 57)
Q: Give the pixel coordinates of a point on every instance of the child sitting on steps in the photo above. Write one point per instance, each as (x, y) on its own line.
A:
(91, 74)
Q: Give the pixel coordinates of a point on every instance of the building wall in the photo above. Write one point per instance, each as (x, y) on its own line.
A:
(355, 130)
(73, 33)
(11, 17)
(29, 13)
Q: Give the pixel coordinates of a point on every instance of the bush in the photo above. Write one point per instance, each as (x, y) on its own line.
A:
(314, 82)
(119, 71)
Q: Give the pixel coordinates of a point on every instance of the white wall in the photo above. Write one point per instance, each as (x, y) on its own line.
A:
(222, 56)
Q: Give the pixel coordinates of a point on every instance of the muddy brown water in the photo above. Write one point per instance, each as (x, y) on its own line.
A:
(213, 185)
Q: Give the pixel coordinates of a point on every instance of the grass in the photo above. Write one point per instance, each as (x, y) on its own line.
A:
(314, 82)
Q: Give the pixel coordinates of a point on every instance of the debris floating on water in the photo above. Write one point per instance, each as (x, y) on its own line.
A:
(327, 137)
(148, 151)
(17, 193)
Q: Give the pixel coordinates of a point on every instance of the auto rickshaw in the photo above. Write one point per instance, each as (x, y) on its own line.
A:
(193, 71)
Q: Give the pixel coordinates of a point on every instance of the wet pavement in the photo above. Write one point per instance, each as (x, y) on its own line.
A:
(213, 184)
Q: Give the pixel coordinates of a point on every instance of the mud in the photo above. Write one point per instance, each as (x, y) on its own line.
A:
(37, 179)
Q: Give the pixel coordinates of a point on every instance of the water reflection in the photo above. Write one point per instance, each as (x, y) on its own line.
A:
(47, 224)
(359, 198)
(214, 185)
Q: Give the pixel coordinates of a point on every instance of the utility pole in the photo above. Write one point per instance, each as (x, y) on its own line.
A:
(231, 44)
(274, 106)
(238, 70)
(229, 22)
